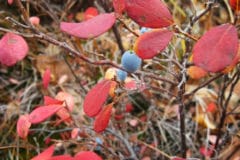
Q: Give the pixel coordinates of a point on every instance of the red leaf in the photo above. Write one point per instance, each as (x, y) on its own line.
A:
(46, 154)
(64, 114)
(150, 13)
(90, 13)
(40, 114)
(217, 48)
(49, 101)
(61, 157)
(211, 107)
(13, 48)
(23, 126)
(206, 152)
(119, 6)
(87, 155)
(151, 43)
(75, 133)
(235, 4)
(10, 2)
(102, 119)
(46, 78)
(96, 97)
(67, 98)
(90, 28)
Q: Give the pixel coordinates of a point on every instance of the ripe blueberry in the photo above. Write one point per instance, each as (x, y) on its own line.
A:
(130, 61)
(121, 75)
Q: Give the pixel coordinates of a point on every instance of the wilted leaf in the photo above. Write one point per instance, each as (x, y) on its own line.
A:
(90, 13)
(150, 13)
(49, 101)
(119, 6)
(217, 48)
(23, 126)
(87, 155)
(102, 119)
(96, 97)
(46, 78)
(40, 114)
(90, 28)
(196, 72)
(61, 157)
(112, 88)
(13, 48)
(46, 154)
(152, 43)
(67, 98)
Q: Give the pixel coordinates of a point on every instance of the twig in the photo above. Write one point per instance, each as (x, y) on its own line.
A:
(129, 29)
(125, 141)
(203, 85)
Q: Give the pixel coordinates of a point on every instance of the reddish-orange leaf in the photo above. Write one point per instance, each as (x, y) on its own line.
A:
(67, 98)
(235, 4)
(23, 126)
(49, 101)
(196, 72)
(217, 48)
(206, 152)
(119, 6)
(75, 133)
(150, 13)
(211, 107)
(90, 28)
(61, 157)
(46, 154)
(90, 13)
(13, 48)
(46, 78)
(64, 115)
(40, 114)
(96, 97)
(87, 155)
(152, 43)
(102, 119)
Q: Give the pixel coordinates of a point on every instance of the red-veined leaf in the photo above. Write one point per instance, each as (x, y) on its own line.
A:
(96, 97)
(23, 126)
(152, 43)
(40, 114)
(90, 13)
(13, 48)
(46, 78)
(150, 13)
(49, 101)
(119, 6)
(46, 154)
(61, 157)
(90, 28)
(67, 98)
(217, 48)
(87, 155)
(102, 119)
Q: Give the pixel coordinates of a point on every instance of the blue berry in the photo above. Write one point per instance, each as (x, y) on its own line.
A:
(121, 75)
(130, 61)
(144, 29)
